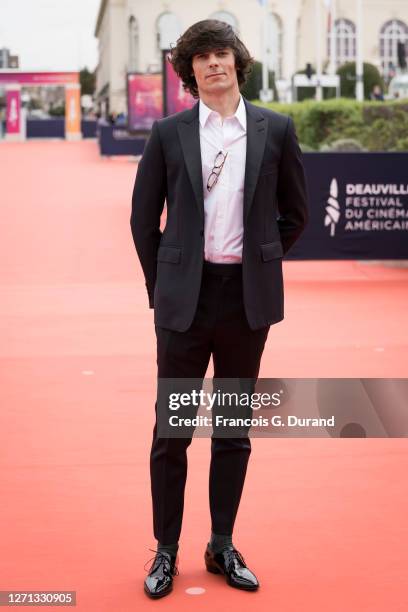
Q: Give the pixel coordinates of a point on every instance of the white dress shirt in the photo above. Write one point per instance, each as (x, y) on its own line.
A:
(223, 204)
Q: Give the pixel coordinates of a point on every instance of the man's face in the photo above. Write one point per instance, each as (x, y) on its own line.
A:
(215, 71)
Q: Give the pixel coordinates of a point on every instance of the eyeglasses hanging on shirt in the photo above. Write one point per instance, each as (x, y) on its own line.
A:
(216, 171)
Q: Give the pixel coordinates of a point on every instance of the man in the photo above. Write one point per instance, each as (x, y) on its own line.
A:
(232, 177)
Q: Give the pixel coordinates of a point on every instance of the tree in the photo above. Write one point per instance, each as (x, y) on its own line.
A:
(347, 73)
(253, 86)
(87, 81)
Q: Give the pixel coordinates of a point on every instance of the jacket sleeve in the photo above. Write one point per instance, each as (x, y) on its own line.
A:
(148, 198)
(291, 190)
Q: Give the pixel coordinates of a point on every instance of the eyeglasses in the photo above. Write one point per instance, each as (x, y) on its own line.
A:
(216, 171)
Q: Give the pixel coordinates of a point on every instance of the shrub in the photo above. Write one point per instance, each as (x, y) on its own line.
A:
(343, 144)
(347, 73)
(377, 126)
(306, 148)
(383, 110)
(402, 144)
(315, 121)
(385, 134)
(57, 111)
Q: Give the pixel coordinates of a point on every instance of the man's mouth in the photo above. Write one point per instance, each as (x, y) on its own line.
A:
(215, 74)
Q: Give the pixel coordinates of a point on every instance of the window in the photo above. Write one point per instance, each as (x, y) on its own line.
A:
(274, 44)
(345, 36)
(168, 30)
(227, 17)
(133, 38)
(391, 33)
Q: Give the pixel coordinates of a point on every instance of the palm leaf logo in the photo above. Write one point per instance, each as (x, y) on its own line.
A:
(332, 207)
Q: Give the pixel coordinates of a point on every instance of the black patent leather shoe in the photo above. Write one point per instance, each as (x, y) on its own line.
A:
(159, 581)
(231, 563)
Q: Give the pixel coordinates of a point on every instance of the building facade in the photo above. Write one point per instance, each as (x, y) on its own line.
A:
(7, 60)
(132, 33)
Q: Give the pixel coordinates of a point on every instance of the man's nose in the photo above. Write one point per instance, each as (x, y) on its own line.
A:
(213, 60)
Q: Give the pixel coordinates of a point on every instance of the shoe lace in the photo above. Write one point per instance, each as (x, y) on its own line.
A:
(232, 555)
(160, 559)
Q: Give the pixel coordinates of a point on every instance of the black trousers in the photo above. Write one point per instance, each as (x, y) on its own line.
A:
(220, 329)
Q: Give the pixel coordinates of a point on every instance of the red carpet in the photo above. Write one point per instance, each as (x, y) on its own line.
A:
(322, 522)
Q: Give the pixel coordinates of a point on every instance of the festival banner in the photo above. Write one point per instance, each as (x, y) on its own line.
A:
(358, 207)
(13, 111)
(72, 112)
(145, 100)
(176, 99)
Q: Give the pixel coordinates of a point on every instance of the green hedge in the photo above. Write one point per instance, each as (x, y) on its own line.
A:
(377, 126)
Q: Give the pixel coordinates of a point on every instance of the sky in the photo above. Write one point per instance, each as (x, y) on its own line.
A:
(50, 34)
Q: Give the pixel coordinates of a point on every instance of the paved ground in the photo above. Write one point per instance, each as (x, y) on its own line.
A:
(322, 521)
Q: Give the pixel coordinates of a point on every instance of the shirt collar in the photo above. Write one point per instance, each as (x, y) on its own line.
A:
(205, 111)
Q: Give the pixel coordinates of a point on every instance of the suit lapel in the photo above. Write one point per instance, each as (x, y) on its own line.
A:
(189, 134)
(256, 139)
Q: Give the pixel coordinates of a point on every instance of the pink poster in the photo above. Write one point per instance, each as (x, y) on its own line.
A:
(145, 100)
(176, 98)
(13, 112)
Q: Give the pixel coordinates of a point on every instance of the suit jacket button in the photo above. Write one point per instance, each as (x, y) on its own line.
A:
(201, 232)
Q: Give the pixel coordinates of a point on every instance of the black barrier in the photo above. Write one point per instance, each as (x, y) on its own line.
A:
(46, 128)
(358, 207)
(88, 128)
(55, 128)
(115, 140)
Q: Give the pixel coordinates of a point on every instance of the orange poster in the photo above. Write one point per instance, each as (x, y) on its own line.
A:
(72, 112)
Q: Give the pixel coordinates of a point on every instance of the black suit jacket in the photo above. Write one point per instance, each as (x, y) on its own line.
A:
(275, 214)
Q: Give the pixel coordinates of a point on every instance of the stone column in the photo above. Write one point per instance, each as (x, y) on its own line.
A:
(290, 42)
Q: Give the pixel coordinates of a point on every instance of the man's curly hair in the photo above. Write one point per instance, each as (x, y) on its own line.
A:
(202, 37)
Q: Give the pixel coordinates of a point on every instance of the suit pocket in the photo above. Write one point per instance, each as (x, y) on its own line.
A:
(271, 250)
(169, 254)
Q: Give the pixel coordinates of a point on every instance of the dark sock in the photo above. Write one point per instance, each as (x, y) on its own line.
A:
(218, 541)
(168, 548)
